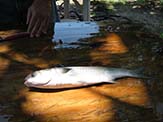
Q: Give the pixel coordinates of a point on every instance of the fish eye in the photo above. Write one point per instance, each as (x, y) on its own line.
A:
(33, 74)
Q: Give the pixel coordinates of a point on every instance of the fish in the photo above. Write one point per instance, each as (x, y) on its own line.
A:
(76, 76)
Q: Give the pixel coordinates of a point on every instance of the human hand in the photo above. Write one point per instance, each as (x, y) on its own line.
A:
(38, 17)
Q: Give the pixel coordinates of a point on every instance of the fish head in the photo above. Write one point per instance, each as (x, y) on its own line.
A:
(37, 78)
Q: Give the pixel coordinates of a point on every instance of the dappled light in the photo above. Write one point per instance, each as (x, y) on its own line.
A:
(19, 57)
(4, 65)
(38, 62)
(4, 48)
(8, 32)
(71, 105)
(100, 58)
(96, 103)
(134, 90)
(112, 44)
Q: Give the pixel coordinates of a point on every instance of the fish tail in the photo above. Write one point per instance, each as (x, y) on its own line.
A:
(140, 72)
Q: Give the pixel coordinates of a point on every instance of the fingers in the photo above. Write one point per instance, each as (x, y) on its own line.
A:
(41, 28)
(46, 26)
(37, 25)
(31, 23)
(28, 16)
(35, 28)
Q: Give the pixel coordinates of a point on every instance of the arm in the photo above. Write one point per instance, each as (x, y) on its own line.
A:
(38, 17)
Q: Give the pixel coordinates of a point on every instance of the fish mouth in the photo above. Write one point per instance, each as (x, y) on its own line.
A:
(29, 84)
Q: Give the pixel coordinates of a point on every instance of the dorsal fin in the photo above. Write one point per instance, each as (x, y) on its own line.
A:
(65, 69)
(58, 65)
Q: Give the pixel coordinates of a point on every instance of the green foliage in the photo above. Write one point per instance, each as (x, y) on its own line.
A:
(115, 1)
(161, 1)
(141, 1)
(125, 1)
(161, 35)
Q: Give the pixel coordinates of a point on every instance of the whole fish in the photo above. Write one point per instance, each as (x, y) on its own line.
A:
(68, 77)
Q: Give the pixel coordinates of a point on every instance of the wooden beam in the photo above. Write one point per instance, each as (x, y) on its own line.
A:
(86, 10)
(66, 8)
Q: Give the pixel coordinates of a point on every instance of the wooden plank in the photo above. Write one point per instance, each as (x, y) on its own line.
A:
(92, 104)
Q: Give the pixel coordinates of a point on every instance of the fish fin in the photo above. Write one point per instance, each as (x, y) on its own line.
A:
(83, 82)
(59, 65)
(139, 72)
(86, 83)
(65, 70)
(110, 81)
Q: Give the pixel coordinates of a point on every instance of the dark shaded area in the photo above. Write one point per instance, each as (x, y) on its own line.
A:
(60, 89)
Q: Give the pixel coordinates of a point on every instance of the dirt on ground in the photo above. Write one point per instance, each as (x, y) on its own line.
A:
(148, 14)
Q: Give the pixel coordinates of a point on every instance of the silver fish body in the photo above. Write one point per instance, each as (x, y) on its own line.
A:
(67, 77)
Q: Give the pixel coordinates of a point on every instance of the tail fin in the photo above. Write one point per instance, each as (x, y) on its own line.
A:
(140, 72)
